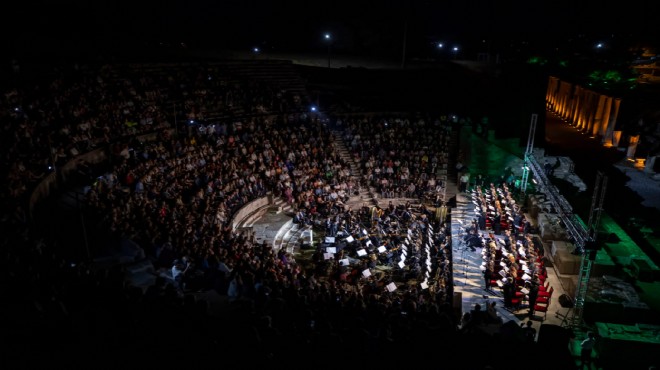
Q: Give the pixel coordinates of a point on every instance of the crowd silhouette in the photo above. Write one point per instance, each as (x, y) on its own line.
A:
(169, 187)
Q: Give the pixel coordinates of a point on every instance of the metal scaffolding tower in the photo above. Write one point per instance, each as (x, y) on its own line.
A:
(529, 151)
(583, 238)
(589, 249)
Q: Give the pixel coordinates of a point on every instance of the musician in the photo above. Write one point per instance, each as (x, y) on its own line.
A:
(481, 221)
(507, 240)
(496, 223)
(372, 261)
(509, 291)
(489, 275)
(472, 240)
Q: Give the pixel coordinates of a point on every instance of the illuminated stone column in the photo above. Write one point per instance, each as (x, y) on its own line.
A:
(566, 99)
(551, 95)
(632, 146)
(592, 107)
(581, 112)
(587, 110)
(605, 118)
(616, 138)
(611, 122)
(561, 100)
(575, 108)
(598, 119)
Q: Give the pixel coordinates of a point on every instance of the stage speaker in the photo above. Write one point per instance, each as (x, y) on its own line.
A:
(565, 301)
(553, 336)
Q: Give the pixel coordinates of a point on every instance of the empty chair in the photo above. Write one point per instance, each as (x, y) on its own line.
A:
(539, 307)
(546, 293)
(544, 299)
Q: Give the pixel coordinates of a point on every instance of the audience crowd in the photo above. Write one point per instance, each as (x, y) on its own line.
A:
(174, 196)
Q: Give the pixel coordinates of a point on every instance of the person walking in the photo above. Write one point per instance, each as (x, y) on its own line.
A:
(586, 349)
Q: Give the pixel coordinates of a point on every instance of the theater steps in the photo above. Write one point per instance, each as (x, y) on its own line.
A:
(366, 195)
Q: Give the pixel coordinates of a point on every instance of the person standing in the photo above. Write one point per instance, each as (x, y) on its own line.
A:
(489, 275)
(532, 296)
(463, 182)
(586, 348)
(509, 291)
(529, 332)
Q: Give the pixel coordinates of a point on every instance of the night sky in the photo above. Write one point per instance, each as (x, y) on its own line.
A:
(363, 27)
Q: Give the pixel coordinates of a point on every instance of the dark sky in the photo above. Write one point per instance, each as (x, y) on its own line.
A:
(287, 24)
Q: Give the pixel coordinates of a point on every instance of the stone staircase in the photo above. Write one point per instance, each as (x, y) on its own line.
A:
(290, 237)
(367, 195)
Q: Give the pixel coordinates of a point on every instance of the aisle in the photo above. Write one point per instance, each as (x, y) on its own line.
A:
(468, 278)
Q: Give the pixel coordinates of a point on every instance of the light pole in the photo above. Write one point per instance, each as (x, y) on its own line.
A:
(328, 40)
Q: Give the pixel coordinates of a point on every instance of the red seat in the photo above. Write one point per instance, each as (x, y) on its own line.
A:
(544, 299)
(517, 303)
(546, 293)
(542, 308)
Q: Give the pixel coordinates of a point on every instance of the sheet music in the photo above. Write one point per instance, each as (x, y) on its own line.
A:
(329, 239)
(327, 256)
(366, 273)
(361, 252)
(332, 250)
(424, 285)
(391, 287)
(344, 262)
(402, 264)
(350, 239)
(382, 249)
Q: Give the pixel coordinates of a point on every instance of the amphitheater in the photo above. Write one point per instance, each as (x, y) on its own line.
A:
(318, 238)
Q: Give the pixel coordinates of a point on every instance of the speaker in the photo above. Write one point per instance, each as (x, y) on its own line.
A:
(555, 339)
(565, 301)
(553, 336)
